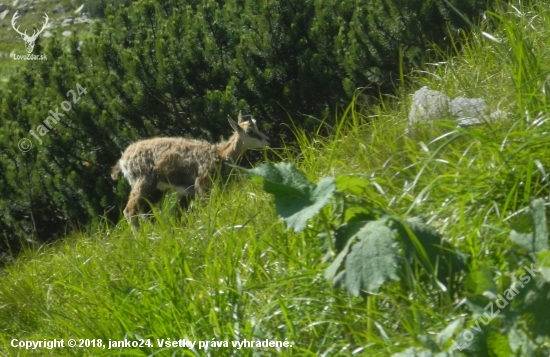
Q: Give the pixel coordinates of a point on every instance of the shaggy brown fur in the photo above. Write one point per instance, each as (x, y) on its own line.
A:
(154, 166)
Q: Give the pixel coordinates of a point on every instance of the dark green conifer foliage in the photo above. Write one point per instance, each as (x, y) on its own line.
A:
(180, 67)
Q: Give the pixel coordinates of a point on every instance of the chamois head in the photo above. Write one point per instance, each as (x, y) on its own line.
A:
(249, 137)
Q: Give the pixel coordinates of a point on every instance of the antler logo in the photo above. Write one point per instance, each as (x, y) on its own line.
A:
(29, 40)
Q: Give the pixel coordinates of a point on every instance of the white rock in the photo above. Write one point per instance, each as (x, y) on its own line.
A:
(66, 33)
(462, 122)
(67, 22)
(468, 108)
(498, 115)
(429, 105)
(82, 20)
(58, 9)
(3, 14)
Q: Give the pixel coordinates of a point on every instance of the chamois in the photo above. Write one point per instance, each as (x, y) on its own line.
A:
(154, 166)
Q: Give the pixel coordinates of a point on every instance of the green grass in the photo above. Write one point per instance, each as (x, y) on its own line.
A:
(227, 270)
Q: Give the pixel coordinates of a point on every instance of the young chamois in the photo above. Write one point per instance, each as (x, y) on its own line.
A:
(154, 166)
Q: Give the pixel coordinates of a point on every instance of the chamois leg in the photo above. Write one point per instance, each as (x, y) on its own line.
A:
(152, 198)
(184, 202)
(142, 192)
(185, 195)
(203, 184)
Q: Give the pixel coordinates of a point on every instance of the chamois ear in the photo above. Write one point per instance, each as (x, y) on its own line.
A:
(234, 125)
(240, 117)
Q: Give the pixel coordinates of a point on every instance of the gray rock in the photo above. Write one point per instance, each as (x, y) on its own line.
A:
(66, 33)
(4, 13)
(498, 115)
(58, 9)
(79, 9)
(82, 20)
(429, 105)
(464, 122)
(4, 7)
(46, 34)
(67, 22)
(468, 108)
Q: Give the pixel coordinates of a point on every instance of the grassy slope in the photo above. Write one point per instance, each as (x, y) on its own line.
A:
(229, 271)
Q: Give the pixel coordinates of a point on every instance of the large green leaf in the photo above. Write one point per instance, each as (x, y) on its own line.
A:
(480, 281)
(346, 231)
(333, 269)
(425, 244)
(447, 333)
(296, 198)
(498, 344)
(520, 344)
(544, 265)
(369, 258)
(352, 184)
(536, 241)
